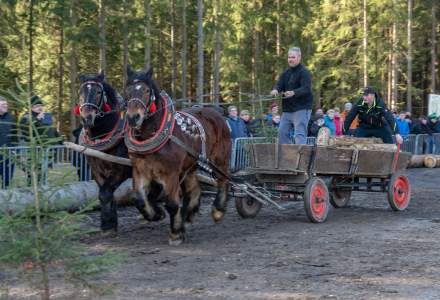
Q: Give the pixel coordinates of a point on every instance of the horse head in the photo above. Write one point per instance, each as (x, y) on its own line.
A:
(141, 93)
(96, 98)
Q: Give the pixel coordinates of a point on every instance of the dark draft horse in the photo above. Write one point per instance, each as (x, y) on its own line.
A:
(99, 110)
(170, 165)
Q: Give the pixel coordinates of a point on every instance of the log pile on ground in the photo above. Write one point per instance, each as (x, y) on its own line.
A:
(424, 160)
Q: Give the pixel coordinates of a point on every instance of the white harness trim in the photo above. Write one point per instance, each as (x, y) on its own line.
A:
(180, 116)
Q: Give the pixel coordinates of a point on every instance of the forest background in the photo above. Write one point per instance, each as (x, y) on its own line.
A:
(221, 50)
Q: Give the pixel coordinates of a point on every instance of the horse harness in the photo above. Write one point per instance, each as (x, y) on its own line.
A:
(113, 137)
(188, 124)
(102, 107)
(107, 142)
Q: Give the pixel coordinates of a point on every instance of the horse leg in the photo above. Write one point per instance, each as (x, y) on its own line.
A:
(220, 203)
(145, 207)
(191, 197)
(174, 208)
(109, 213)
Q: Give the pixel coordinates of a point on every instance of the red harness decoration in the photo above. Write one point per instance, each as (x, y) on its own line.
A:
(76, 110)
(153, 107)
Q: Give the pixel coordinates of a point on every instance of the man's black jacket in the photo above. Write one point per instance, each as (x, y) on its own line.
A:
(299, 80)
(8, 130)
(376, 116)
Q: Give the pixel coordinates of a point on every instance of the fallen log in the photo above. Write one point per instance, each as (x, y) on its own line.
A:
(69, 197)
(432, 161)
(417, 161)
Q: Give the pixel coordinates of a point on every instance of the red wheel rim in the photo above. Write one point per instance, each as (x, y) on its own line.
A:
(401, 192)
(318, 203)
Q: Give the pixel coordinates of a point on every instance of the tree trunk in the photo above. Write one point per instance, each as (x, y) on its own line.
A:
(147, 9)
(60, 77)
(389, 75)
(278, 36)
(433, 47)
(394, 62)
(409, 59)
(184, 51)
(31, 47)
(124, 41)
(218, 29)
(365, 43)
(173, 49)
(200, 68)
(102, 38)
(73, 68)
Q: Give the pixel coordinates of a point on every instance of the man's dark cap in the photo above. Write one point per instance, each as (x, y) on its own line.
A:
(368, 90)
(35, 100)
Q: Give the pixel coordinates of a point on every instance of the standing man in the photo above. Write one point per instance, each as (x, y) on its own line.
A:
(375, 120)
(295, 86)
(42, 130)
(8, 138)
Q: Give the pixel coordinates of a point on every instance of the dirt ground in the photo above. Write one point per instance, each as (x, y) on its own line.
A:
(363, 251)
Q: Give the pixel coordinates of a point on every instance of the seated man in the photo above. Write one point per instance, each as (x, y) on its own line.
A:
(375, 120)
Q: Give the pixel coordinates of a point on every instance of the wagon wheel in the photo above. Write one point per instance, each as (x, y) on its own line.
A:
(247, 207)
(340, 198)
(399, 192)
(316, 200)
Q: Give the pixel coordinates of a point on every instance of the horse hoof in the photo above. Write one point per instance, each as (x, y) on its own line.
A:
(142, 220)
(175, 239)
(188, 225)
(109, 233)
(217, 215)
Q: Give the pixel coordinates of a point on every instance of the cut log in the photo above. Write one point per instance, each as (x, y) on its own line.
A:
(377, 147)
(417, 161)
(432, 161)
(350, 140)
(69, 197)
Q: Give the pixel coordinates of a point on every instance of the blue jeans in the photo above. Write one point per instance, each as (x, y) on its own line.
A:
(6, 171)
(297, 121)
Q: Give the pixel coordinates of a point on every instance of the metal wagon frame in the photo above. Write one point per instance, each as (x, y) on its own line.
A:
(320, 175)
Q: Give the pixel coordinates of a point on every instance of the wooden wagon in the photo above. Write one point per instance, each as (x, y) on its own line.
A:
(321, 175)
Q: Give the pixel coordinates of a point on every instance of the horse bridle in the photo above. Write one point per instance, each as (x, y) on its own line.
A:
(151, 99)
(102, 100)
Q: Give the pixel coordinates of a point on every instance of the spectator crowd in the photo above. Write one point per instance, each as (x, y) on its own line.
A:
(243, 124)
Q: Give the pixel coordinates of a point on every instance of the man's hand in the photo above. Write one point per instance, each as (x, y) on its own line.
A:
(40, 116)
(288, 94)
(399, 139)
(274, 93)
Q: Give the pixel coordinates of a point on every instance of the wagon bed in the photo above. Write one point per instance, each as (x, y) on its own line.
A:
(320, 175)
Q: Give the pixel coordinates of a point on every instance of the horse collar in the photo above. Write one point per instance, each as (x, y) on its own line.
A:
(105, 143)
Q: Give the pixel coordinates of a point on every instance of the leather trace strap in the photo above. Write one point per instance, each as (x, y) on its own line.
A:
(160, 138)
